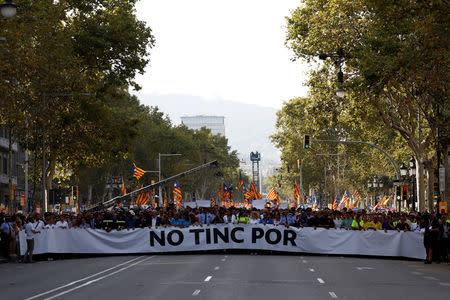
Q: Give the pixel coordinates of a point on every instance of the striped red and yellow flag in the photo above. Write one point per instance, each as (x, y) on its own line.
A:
(296, 191)
(357, 194)
(255, 194)
(124, 190)
(272, 195)
(142, 198)
(137, 172)
(165, 201)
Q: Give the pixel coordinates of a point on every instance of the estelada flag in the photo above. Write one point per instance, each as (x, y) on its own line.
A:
(137, 172)
(241, 182)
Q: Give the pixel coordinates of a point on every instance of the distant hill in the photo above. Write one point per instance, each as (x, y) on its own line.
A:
(247, 126)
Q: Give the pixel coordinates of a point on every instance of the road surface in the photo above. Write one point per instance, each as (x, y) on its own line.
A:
(225, 276)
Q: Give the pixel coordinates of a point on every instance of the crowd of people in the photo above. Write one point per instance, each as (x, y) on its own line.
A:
(434, 227)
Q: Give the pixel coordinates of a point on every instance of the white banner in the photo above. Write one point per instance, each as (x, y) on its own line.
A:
(228, 236)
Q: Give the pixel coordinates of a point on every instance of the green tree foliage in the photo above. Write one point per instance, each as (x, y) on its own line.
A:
(395, 64)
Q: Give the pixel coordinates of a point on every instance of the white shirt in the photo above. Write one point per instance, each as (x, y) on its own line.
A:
(38, 225)
(154, 222)
(337, 223)
(415, 227)
(61, 224)
(49, 226)
(232, 220)
(29, 231)
(253, 221)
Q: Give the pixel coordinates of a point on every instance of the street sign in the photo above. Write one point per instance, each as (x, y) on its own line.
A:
(441, 180)
(22, 199)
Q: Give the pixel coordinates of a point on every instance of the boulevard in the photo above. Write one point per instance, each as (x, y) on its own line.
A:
(225, 276)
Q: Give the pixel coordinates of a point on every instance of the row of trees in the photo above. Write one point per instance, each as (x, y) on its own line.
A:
(394, 56)
(66, 70)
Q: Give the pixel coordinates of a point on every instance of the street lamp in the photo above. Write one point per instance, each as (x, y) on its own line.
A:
(8, 9)
(338, 59)
(412, 166)
(403, 170)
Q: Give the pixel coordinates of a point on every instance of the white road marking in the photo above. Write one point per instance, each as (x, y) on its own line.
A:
(332, 294)
(85, 278)
(312, 270)
(416, 273)
(196, 292)
(216, 268)
(223, 259)
(430, 277)
(320, 280)
(208, 278)
(364, 268)
(304, 261)
(97, 279)
(444, 283)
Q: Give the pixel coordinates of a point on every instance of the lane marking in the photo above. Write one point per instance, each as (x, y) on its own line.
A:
(417, 273)
(223, 259)
(430, 277)
(444, 283)
(196, 292)
(304, 261)
(208, 278)
(98, 279)
(332, 294)
(216, 268)
(312, 270)
(83, 279)
(364, 268)
(320, 280)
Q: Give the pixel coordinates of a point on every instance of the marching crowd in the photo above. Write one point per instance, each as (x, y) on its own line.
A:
(434, 227)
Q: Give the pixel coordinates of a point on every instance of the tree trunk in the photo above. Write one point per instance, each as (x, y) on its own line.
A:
(429, 191)
(420, 183)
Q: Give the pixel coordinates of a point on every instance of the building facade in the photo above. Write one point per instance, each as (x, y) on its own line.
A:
(215, 123)
(17, 171)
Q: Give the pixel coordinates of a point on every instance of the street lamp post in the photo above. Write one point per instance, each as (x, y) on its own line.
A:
(160, 199)
(403, 170)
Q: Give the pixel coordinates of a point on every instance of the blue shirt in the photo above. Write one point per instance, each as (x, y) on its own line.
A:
(131, 222)
(264, 221)
(210, 218)
(202, 218)
(5, 227)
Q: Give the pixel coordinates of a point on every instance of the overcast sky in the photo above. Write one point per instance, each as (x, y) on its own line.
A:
(221, 49)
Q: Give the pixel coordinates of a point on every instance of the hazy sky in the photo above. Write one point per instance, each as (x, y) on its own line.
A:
(217, 49)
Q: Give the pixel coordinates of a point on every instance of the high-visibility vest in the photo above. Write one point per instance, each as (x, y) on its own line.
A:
(243, 220)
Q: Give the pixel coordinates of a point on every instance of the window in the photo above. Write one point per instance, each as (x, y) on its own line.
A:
(5, 165)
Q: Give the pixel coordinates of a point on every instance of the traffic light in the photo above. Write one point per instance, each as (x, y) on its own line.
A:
(436, 190)
(75, 193)
(405, 193)
(398, 193)
(306, 141)
(299, 163)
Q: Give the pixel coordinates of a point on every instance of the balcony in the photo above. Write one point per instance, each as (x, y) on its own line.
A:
(4, 143)
(5, 179)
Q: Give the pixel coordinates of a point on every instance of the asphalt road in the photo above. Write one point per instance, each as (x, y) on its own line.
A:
(225, 276)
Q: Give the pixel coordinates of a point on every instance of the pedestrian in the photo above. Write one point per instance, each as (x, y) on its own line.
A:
(30, 233)
(431, 237)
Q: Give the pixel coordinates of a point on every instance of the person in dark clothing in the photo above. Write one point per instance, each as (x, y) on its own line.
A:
(431, 236)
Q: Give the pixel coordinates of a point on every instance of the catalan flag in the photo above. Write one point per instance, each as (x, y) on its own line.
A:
(335, 203)
(137, 172)
(385, 201)
(213, 201)
(241, 181)
(344, 200)
(357, 194)
(272, 195)
(165, 201)
(296, 191)
(255, 194)
(142, 199)
(124, 190)
(355, 203)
